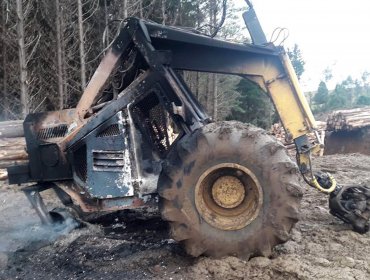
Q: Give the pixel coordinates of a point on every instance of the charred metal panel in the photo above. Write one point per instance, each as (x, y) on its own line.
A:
(102, 160)
(99, 149)
(181, 36)
(46, 161)
(142, 84)
(112, 161)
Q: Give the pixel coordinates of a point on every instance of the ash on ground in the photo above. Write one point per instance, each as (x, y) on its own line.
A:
(131, 246)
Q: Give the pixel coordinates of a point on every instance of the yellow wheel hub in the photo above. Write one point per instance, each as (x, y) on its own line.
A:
(228, 196)
(228, 191)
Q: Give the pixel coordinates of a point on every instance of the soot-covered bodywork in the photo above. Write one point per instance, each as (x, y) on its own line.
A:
(107, 153)
(109, 156)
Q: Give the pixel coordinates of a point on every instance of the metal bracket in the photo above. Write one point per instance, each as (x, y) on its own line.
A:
(34, 197)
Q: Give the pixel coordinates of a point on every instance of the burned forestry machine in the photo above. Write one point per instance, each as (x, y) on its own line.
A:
(139, 137)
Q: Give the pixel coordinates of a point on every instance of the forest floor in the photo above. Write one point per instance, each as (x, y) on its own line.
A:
(322, 247)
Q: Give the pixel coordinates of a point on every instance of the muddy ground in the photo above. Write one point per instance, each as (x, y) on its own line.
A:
(322, 247)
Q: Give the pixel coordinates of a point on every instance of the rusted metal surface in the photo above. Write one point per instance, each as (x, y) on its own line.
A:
(96, 84)
(228, 196)
(53, 119)
(89, 205)
(127, 203)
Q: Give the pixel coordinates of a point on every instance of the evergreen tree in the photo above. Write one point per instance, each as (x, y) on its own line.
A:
(296, 58)
(322, 94)
(338, 99)
(252, 106)
(363, 100)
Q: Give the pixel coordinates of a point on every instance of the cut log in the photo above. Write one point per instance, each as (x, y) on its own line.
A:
(12, 149)
(11, 129)
(348, 120)
(6, 143)
(3, 174)
(12, 152)
(13, 155)
(7, 163)
(278, 131)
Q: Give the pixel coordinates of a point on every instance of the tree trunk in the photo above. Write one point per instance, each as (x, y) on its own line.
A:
(22, 59)
(106, 35)
(64, 56)
(141, 12)
(215, 101)
(59, 55)
(12, 152)
(177, 13)
(197, 85)
(164, 17)
(211, 94)
(206, 93)
(82, 47)
(4, 62)
(125, 8)
(213, 19)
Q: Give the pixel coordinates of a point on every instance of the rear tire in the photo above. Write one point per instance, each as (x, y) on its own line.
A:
(229, 189)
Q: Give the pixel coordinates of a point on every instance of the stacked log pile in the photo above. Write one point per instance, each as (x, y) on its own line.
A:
(12, 146)
(278, 131)
(349, 119)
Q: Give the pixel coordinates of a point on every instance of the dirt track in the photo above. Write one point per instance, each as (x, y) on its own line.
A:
(322, 247)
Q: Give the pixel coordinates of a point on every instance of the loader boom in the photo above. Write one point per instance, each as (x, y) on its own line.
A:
(346, 202)
(266, 65)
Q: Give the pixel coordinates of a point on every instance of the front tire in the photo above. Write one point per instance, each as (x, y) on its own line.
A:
(229, 189)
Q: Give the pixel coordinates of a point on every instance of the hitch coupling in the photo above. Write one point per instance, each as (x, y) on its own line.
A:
(351, 204)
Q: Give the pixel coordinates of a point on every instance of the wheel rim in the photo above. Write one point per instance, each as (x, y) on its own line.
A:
(228, 196)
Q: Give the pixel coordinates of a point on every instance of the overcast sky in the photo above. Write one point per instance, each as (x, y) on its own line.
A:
(330, 33)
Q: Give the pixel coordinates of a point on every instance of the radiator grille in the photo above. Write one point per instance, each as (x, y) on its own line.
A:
(52, 132)
(108, 161)
(153, 121)
(80, 162)
(112, 130)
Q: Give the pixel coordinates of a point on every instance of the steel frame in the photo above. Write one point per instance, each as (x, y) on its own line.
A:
(161, 52)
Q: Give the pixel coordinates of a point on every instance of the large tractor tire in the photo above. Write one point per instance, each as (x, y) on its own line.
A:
(229, 189)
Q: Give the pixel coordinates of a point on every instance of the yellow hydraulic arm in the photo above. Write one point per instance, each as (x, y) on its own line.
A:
(349, 203)
(298, 121)
(281, 82)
